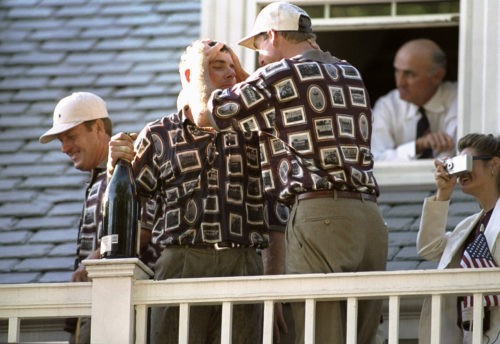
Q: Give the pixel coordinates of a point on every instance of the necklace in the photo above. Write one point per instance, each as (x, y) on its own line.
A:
(485, 218)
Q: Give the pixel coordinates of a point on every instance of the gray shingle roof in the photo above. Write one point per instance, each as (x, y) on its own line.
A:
(127, 52)
(402, 210)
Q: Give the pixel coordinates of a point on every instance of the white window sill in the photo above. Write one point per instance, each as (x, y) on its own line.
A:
(411, 175)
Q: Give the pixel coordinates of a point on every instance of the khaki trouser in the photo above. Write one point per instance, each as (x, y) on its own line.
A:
(205, 321)
(326, 235)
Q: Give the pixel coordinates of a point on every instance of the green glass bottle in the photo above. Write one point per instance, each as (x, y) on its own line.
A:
(120, 237)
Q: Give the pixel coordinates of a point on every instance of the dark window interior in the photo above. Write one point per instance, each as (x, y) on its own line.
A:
(372, 52)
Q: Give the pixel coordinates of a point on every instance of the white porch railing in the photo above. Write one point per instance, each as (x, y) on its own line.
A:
(120, 287)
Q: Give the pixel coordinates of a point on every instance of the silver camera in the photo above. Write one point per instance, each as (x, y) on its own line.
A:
(458, 164)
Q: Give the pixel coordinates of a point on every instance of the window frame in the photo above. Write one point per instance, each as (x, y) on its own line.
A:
(478, 74)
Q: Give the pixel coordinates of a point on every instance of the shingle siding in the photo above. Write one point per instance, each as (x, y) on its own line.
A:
(125, 51)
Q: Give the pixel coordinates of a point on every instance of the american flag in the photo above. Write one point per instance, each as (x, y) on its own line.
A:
(477, 255)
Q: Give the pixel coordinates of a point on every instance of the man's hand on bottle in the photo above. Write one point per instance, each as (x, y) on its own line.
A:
(121, 146)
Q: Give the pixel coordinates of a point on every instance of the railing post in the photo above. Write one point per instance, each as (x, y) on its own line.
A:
(112, 298)
(310, 321)
(352, 320)
(477, 319)
(394, 303)
(267, 328)
(14, 329)
(184, 323)
(227, 323)
(436, 316)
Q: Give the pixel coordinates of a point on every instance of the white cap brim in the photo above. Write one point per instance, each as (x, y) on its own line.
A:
(248, 41)
(52, 133)
(277, 16)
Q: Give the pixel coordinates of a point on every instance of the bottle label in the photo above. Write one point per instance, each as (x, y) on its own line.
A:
(107, 242)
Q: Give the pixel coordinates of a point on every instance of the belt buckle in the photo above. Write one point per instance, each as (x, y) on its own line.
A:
(218, 248)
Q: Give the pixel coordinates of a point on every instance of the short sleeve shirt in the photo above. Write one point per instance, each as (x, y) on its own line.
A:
(207, 184)
(318, 111)
(91, 219)
(90, 229)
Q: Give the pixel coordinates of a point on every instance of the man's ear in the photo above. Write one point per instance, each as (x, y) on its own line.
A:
(439, 75)
(99, 125)
(273, 36)
(187, 75)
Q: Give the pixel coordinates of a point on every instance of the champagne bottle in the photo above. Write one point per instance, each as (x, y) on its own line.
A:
(120, 237)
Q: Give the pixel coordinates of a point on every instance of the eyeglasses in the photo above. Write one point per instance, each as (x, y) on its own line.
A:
(482, 157)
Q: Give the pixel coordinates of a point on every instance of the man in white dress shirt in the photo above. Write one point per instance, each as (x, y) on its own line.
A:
(419, 69)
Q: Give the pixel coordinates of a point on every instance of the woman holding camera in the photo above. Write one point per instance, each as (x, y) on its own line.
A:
(478, 234)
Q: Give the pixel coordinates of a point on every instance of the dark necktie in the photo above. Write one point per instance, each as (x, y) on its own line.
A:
(423, 128)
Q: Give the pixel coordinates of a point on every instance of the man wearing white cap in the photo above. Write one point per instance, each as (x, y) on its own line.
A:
(82, 125)
(320, 160)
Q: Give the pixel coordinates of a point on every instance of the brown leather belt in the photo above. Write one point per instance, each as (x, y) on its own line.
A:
(337, 194)
(218, 246)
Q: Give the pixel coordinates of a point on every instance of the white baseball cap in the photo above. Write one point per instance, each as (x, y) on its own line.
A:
(73, 110)
(279, 16)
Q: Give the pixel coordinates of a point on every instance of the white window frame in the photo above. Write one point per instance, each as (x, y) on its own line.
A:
(478, 74)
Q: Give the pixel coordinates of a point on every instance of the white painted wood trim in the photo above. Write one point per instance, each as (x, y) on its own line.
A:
(393, 333)
(352, 320)
(267, 335)
(479, 66)
(436, 318)
(46, 300)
